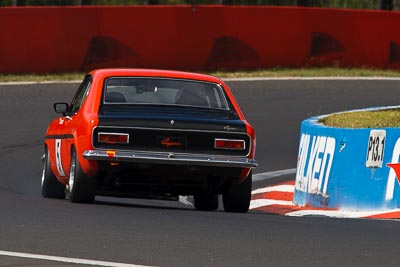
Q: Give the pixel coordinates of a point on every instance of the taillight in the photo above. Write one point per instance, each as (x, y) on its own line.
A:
(230, 144)
(113, 138)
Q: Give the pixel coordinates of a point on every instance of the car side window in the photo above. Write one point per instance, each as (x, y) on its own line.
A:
(80, 95)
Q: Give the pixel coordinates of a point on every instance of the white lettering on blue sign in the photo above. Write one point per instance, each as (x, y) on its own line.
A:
(392, 175)
(314, 163)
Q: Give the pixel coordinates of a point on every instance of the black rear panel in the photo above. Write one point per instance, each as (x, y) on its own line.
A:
(171, 129)
(167, 140)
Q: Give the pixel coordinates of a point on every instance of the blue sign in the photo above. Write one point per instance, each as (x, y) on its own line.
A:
(347, 169)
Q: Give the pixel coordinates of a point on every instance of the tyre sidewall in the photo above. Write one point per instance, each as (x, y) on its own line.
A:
(50, 187)
(237, 197)
(84, 187)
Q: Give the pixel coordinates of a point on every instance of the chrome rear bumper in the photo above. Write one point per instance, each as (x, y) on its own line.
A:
(170, 158)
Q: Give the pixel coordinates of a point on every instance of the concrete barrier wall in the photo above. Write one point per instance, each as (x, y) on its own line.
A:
(60, 39)
(347, 168)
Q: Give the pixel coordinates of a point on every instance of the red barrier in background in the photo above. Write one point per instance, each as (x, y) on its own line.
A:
(68, 39)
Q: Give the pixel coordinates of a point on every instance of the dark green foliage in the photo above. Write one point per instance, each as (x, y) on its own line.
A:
(357, 4)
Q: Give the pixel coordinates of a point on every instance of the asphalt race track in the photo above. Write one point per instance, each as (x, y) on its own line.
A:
(159, 233)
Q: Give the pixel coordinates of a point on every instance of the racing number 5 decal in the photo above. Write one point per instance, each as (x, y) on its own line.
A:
(58, 157)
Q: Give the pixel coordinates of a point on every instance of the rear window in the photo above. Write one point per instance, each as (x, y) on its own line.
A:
(161, 91)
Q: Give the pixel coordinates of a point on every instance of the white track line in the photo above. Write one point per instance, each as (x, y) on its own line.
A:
(184, 200)
(244, 79)
(38, 82)
(312, 79)
(66, 260)
(268, 175)
(257, 203)
(280, 188)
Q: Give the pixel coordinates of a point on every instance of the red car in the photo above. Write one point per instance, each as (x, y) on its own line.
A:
(150, 134)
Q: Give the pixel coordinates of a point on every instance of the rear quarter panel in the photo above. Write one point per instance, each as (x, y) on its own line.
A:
(249, 129)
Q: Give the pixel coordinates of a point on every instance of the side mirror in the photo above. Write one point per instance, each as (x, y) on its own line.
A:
(61, 108)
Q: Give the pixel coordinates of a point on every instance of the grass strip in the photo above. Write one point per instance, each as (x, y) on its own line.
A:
(310, 72)
(274, 72)
(364, 119)
(41, 77)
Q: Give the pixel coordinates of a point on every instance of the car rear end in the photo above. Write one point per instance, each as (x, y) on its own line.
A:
(160, 137)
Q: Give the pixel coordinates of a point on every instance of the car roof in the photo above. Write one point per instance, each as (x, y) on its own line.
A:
(104, 73)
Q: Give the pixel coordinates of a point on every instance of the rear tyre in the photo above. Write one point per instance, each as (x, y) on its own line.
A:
(206, 201)
(237, 197)
(81, 188)
(51, 187)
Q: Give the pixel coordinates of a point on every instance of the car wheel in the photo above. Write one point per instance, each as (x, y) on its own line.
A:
(81, 188)
(237, 197)
(206, 201)
(51, 187)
